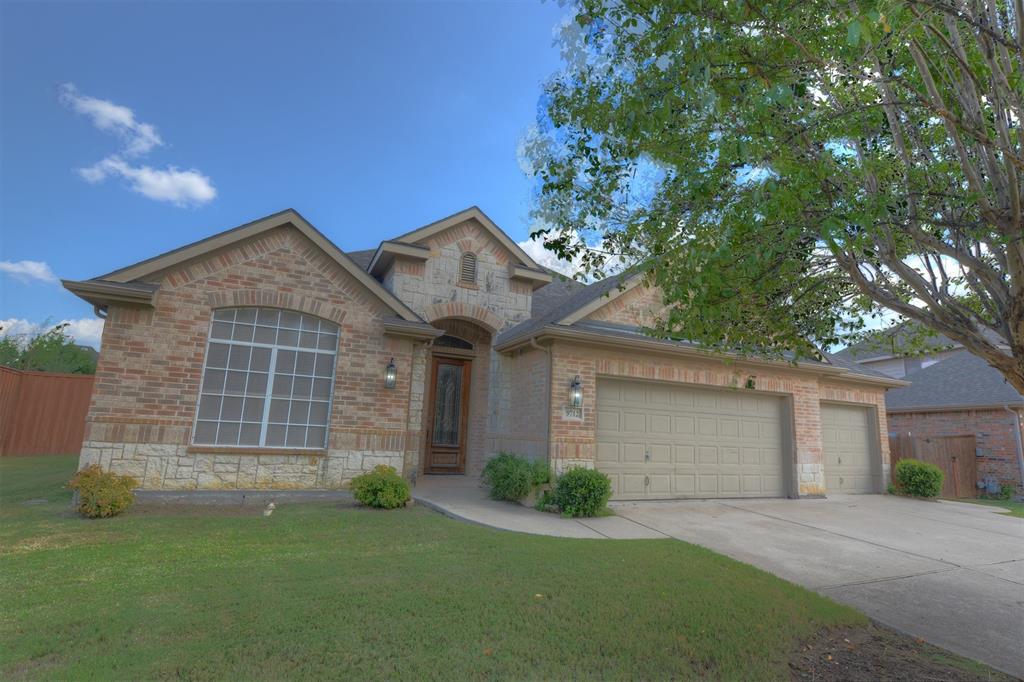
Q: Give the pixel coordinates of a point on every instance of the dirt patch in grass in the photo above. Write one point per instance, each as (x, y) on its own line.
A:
(873, 652)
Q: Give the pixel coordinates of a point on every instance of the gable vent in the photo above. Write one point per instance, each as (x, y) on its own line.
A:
(467, 268)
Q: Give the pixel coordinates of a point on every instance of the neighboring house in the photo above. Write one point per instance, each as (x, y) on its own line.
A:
(265, 357)
(963, 395)
(951, 393)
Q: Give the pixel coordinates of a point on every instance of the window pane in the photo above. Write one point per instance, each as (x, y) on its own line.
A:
(257, 384)
(302, 387)
(206, 433)
(265, 335)
(260, 360)
(209, 407)
(324, 365)
(217, 356)
(328, 327)
(235, 384)
(299, 412)
(275, 435)
(213, 382)
(286, 337)
(322, 389)
(282, 386)
(221, 330)
(296, 436)
(239, 357)
(224, 314)
(247, 315)
(285, 362)
(315, 437)
(227, 434)
(250, 434)
(231, 410)
(253, 410)
(327, 342)
(279, 411)
(309, 324)
(268, 316)
(307, 339)
(289, 320)
(304, 363)
(318, 413)
(242, 332)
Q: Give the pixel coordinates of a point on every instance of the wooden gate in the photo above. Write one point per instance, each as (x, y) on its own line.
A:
(955, 455)
(42, 413)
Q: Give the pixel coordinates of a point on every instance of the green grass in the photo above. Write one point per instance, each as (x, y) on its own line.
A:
(1012, 507)
(320, 590)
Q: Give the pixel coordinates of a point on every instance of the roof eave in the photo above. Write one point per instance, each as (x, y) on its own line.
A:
(102, 294)
(954, 408)
(404, 329)
(389, 250)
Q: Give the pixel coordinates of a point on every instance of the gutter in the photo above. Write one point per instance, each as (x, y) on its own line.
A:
(1020, 449)
(656, 345)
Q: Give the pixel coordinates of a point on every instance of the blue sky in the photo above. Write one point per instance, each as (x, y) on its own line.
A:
(130, 129)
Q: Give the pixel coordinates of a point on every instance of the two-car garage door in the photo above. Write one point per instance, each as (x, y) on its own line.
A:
(658, 440)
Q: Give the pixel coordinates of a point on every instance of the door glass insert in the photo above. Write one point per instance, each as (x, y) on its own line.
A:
(447, 405)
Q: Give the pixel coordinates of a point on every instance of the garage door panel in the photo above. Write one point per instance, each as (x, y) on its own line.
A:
(849, 459)
(717, 443)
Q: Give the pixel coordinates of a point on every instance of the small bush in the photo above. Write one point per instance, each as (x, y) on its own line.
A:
(919, 479)
(102, 494)
(512, 477)
(382, 488)
(891, 489)
(582, 492)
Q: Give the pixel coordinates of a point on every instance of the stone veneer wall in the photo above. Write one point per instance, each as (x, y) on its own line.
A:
(149, 370)
(572, 442)
(993, 431)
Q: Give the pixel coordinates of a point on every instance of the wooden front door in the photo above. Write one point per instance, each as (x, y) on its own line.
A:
(446, 418)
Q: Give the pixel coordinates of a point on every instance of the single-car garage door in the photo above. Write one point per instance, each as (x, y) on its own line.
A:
(661, 440)
(849, 459)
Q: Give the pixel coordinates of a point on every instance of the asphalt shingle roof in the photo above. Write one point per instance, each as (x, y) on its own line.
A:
(961, 380)
(894, 340)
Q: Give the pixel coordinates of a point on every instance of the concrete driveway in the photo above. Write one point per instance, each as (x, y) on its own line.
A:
(950, 573)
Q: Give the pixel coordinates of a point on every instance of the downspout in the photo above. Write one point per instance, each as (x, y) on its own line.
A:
(1020, 449)
(547, 397)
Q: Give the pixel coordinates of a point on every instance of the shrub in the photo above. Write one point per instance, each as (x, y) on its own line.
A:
(102, 494)
(382, 488)
(919, 479)
(582, 492)
(512, 477)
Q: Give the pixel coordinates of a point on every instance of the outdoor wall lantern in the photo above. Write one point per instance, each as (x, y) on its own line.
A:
(390, 374)
(752, 381)
(576, 392)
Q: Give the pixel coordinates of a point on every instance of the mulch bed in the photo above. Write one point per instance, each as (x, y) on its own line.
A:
(877, 653)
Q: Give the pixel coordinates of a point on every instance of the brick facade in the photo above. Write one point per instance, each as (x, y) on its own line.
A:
(993, 430)
(149, 371)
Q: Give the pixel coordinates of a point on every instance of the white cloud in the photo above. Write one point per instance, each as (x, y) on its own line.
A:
(534, 248)
(87, 331)
(179, 187)
(28, 270)
(138, 137)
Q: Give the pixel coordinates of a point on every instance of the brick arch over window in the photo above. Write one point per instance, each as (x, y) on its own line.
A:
(238, 298)
(465, 311)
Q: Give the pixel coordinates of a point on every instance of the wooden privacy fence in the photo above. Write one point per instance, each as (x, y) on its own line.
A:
(42, 413)
(955, 455)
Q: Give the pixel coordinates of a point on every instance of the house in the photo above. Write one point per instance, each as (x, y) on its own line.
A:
(951, 393)
(265, 357)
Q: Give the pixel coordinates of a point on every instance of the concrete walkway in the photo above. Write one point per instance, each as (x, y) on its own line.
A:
(951, 573)
(462, 497)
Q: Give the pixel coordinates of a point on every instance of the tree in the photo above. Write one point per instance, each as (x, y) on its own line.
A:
(49, 351)
(785, 169)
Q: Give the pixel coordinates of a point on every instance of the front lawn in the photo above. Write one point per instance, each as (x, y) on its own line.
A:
(325, 591)
(1012, 507)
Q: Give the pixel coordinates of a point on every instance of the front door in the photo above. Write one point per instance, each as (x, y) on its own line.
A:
(446, 419)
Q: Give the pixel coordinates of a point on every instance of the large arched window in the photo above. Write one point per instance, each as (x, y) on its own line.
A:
(268, 379)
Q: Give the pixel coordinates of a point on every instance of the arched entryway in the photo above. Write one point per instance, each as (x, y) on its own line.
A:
(456, 402)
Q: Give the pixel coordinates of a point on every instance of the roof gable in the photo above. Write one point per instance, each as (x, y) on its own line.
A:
(473, 212)
(148, 267)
